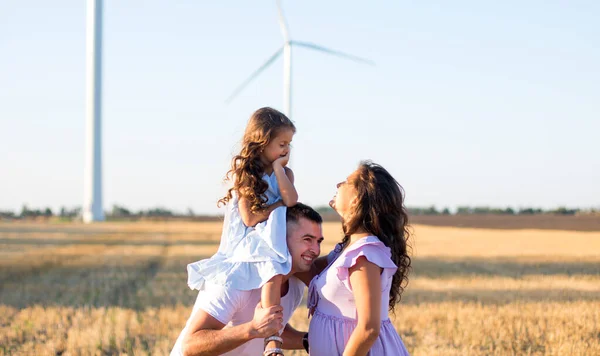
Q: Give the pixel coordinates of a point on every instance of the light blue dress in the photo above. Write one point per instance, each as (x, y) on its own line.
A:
(247, 256)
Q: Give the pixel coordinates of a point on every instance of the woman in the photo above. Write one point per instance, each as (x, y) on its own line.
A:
(364, 277)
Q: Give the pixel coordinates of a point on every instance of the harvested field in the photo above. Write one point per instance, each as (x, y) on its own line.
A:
(120, 288)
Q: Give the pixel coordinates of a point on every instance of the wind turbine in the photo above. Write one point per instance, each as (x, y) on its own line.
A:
(92, 196)
(286, 49)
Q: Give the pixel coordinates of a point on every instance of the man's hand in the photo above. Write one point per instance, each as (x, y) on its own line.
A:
(267, 321)
(281, 161)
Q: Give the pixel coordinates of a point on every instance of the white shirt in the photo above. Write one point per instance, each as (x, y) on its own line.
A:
(234, 307)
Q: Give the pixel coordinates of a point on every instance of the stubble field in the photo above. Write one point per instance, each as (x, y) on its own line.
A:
(120, 288)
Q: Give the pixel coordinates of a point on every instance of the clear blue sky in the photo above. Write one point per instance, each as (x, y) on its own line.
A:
(470, 103)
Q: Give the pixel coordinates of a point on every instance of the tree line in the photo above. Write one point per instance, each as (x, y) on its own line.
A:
(117, 212)
(486, 210)
(120, 212)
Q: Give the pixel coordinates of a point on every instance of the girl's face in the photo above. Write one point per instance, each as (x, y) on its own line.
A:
(278, 147)
(345, 197)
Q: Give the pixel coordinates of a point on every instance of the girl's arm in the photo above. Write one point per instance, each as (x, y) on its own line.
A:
(285, 180)
(250, 218)
(365, 280)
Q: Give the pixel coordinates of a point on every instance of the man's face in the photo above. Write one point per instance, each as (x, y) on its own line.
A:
(304, 242)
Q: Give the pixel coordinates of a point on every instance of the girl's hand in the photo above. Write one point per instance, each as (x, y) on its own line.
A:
(285, 179)
(283, 161)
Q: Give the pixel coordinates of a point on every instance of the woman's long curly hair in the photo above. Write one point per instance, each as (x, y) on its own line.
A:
(380, 211)
(247, 168)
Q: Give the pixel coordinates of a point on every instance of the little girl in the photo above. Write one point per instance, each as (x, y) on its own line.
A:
(253, 252)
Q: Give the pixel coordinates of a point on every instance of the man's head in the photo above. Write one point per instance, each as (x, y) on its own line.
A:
(304, 236)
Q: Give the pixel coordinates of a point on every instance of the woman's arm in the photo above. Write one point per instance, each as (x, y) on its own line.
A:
(250, 218)
(285, 180)
(365, 280)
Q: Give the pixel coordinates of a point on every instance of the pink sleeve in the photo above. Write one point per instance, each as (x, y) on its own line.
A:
(376, 253)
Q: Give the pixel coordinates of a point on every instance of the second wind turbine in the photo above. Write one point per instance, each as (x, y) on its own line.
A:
(287, 63)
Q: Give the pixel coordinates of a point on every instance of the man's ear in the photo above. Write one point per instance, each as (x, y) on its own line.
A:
(290, 227)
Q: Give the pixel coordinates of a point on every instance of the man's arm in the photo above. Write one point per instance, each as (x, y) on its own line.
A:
(292, 338)
(318, 265)
(206, 336)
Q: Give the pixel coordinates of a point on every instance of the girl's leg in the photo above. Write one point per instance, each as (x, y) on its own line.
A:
(270, 295)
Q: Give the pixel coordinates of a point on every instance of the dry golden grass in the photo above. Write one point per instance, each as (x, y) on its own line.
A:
(469, 242)
(120, 288)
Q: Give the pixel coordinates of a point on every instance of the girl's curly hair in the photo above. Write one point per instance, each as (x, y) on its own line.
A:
(380, 211)
(247, 168)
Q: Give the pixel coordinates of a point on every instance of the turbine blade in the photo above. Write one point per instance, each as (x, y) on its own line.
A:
(332, 52)
(282, 23)
(267, 63)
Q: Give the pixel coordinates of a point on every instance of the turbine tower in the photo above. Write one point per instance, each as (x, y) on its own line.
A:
(92, 199)
(286, 49)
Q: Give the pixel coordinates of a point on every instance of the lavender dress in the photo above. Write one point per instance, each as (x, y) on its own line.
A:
(331, 301)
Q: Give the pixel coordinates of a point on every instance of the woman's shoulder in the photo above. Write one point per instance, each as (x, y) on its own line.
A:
(371, 243)
(369, 247)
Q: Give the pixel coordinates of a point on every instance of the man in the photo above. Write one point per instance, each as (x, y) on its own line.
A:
(231, 322)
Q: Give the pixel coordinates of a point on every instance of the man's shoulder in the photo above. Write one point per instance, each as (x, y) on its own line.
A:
(296, 282)
(221, 290)
(223, 295)
(296, 288)
(226, 304)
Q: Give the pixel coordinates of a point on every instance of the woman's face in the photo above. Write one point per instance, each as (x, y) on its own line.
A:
(345, 196)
